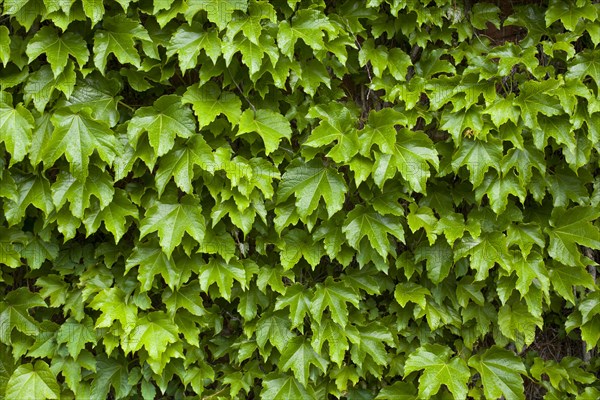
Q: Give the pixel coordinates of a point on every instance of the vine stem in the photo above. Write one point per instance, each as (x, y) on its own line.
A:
(127, 106)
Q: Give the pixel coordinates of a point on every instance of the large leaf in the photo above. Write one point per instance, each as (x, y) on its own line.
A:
(439, 368)
(33, 381)
(172, 221)
(500, 372)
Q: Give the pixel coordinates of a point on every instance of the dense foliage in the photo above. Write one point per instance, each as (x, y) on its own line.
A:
(299, 199)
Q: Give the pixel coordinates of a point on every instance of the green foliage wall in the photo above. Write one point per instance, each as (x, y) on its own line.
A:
(299, 199)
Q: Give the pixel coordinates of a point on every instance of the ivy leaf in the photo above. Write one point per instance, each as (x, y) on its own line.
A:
(57, 49)
(411, 292)
(307, 25)
(153, 332)
(97, 93)
(362, 222)
(172, 220)
(370, 340)
(78, 193)
(298, 299)
(533, 99)
(117, 36)
(33, 381)
(309, 183)
(113, 304)
(570, 228)
(298, 355)
(283, 389)
(223, 274)
(208, 102)
(564, 278)
(335, 336)
(187, 43)
(114, 215)
(14, 313)
(110, 372)
(275, 328)
(497, 189)
(439, 369)
(186, 297)
(31, 190)
(478, 156)
(179, 164)
(151, 261)
(16, 125)
(585, 64)
(164, 120)
(413, 152)
(76, 334)
(220, 12)
(484, 13)
(334, 296)
(485, 251)
(271, 127)
(517, 323)
(500, 372)
(568, 13)
(78, 135)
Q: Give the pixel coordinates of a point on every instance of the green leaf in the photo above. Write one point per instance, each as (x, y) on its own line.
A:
(334, 296)
(298, 355)
(298, 299)
(585, 64)
(275, 328)
(151, 261)
(114, 215)
(439, 369)
(118, 36)
(413, 152)
(77, 135)
(76, 334)
(31, 381)
(478, 156)
(179, 164)
(79, 193)
(270, 126)
(31, 190)
(110, 372)
(58, 49)
(14, 313)
(533, 100)
(362, 222)
(220, 12)
(163, 121)
(283, 389)
(518, 324)
(208, 102)
(484, 13)
(4, 45)
(187, 43)
(16, 125)
(153, 332)
(411, 292)
(564, 278)
(307, 25)
(309, 183)
(500, 372)
(223, 274)
(172, 220)
(485, 251)
(113, 305)
(570, 228)
(568, 13)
